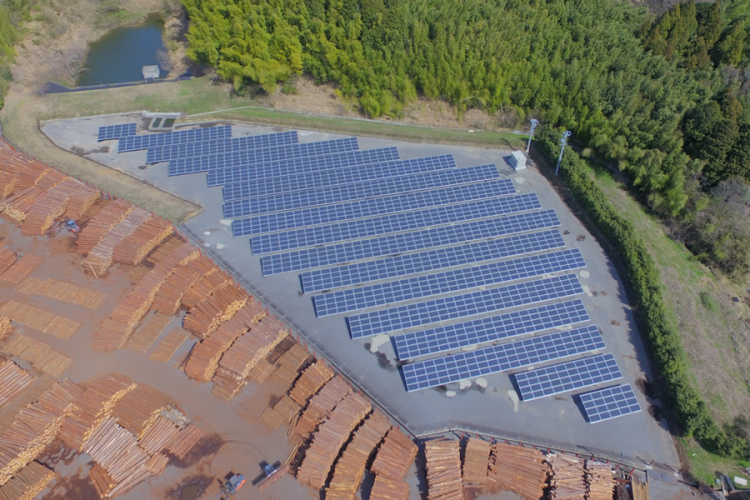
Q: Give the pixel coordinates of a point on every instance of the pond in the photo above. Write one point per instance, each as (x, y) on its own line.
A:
(120, 55)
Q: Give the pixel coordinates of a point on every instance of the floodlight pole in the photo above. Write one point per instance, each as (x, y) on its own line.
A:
(563, 142)
(534, 123)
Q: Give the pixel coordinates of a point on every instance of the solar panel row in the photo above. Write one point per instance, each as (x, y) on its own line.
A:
(610, 402)
(568, 376)
(446, 282)
(297, 166)
(228, 145)
(138, 142)
(111, 132)
(327, 214)
(336, 277)
(333, 178)
(491, 329)
(500, 358)
(460, 306)
(182, 166)
(394, 223)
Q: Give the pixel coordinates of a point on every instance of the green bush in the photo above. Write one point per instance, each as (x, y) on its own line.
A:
(642, 278)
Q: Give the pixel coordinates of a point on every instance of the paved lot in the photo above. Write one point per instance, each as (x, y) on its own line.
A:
(636, 439)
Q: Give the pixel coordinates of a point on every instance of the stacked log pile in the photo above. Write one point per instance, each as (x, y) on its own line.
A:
(289, 364)
(169, 345)
(350, 467)
(310, 382)
(112, 213)
(282, 413)
(476, 460)
(162, 251)
(39, 354)
(22, 171)
(395, 455)
(159, 435)
(321, 405)
(13, 379)
(443, 464)
(49, 179)
(134, 248)
(99, 258)
(568, 479)
(80, 201)
(385, 488)
(116, 330)
(170, 294)
(33, 429)
(204, 358)
(7, 258)
(21, 268)
(103, 482)
(17, 206)
(140, 408)
(49, 207)
(639, 490)
(63, 291)
(600, 481)
(39, 319)
(517, 468)
(5, 327)
(147, 334)
(221, 305)
(205, 286)
(185, 440)
(329, 438)
(27, 483)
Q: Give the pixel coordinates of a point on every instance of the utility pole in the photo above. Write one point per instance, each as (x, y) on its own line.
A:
(534, 123)
(563, 142)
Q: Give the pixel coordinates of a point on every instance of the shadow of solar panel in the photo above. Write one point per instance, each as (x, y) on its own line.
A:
(490, 329)
(111, 132)
(567, 376)
(297, 166)
(327, 214)
(393, 223)
(139, 142)
(219, 146)
(500, 358)
(183, 166)
(460, 306)
(608, 403)
(392, 292)
(340, 276)
(306, 181)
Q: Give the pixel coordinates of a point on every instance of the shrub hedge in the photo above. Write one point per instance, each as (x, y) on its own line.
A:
(642, 278)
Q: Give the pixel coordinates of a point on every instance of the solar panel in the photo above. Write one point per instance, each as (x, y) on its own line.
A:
(460, 306)
(311, 181)
(138, 142)
(456, 280)
(196, 164)
(392, 223)
(220, 146)
(569, 376)
(374, 270)
(327, 214)
(393, 183)
(296, 166)
(608, 403)
(111, 132)
(393, 244)
(490, 329)
(500, 358)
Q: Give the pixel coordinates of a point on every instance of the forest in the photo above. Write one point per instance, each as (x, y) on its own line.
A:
(666, 100)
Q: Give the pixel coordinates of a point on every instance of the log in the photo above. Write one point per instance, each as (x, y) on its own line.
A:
(476, 462)
(21, 268)
(385, 488)
(395, 455)
(40, 319)
(64, 292)
(519, 469)
(443, 465)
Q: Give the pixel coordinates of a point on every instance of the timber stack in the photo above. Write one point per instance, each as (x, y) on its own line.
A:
(385, 488)
(329, 439)
(49, 207)
(350, 467)
(13, 380)
(476, 460)
(112, 213)
(182, 279)
(134, 247)
(568, 478)
(600, 481)
(283, 412)
(312, 379)
(22, 268)
(6, 328)
(321, 405)
(99, 258)
(27, 483)
(7, 258)
(443, 464)
(395, 455)
(204, 287)
(289, 364)
(209, 313)
(517, 468)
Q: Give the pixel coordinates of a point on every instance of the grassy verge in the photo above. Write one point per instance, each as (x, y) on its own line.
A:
(705, 465)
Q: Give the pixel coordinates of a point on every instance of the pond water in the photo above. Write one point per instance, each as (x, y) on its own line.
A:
(119, 56)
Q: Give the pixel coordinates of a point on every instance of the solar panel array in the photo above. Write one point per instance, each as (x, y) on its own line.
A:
(567, 376)
(610, 402)
(111, 132)
(468, 277)
(139, 142)
(229, 145)
(500, 358)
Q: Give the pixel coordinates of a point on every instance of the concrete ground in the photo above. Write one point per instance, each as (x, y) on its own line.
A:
(636, 440)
